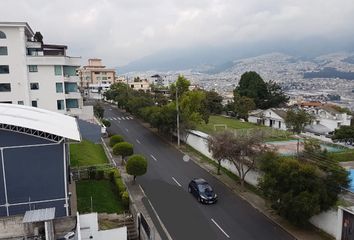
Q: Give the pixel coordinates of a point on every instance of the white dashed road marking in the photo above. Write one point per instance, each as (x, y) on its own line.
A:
(127, 129)
(137, 141)
(222, 230)
(176, 182)
(153, 158)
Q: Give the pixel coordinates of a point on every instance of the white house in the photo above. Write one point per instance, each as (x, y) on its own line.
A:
(273, 117)
(36, 74)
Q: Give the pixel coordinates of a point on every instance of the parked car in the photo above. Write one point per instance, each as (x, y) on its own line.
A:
(202, 191)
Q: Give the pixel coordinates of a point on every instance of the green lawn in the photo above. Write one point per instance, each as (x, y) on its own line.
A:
(343, 156)
(104, 199)
(87, 153)
(216, 122)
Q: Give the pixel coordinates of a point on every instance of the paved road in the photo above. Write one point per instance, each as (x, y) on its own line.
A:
(165, 184)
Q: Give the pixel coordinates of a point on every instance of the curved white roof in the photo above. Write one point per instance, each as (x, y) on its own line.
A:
(40, 119)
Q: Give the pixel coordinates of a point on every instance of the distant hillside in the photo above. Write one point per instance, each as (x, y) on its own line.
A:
(330, 72)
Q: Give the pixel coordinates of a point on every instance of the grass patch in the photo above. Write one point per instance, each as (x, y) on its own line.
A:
(344, 156)
(87, 153)
(104, 198)
(271, 134)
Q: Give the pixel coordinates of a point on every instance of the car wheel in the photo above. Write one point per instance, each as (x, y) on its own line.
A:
(189, 189)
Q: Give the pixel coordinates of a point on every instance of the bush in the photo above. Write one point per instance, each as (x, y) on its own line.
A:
(125, 199)
(120, 185)
(106, 123)
(123, 149)
(136, 165)
(99, 175)
(92, 173)
(115, 139)
(113, 174)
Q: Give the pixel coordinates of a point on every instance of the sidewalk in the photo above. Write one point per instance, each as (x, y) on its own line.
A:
(257, 202)
(139, 202)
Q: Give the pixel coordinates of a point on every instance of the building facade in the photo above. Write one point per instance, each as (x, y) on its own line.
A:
(95, 76)
(36, 74)
(35, 158)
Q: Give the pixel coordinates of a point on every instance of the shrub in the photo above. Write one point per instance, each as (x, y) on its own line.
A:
(123, 149)
(113, 174)
(115, 139)
(99, 175)
(120, 185)
(125, 199)
(106, 122)
(136, 165)
(92, 173)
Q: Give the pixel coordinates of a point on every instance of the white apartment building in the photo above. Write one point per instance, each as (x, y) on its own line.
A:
(36, 74)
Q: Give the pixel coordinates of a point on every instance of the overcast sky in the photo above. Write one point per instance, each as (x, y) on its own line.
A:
(120, 31)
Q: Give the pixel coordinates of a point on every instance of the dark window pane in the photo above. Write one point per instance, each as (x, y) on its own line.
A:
(3, 50)
(4, 69)
(5, 87)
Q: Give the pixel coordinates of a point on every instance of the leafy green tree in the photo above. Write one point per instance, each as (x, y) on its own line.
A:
(123, 149)
(115, 139)
(119, 92)
(239, 148)
(137, 102)
(264, 94)
(98, 110)
(297, 119)
(344, 134)
(251, 85)
(182, 84)
(243, 105)
(136, 165)
(300, 189)
(106, 123)
(213, 102)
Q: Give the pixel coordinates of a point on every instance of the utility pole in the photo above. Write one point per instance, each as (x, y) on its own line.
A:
(177, 108)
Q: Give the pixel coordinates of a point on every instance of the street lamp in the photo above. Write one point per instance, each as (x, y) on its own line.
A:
(178, 138)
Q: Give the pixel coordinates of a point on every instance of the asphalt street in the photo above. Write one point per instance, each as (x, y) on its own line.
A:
(165, 185)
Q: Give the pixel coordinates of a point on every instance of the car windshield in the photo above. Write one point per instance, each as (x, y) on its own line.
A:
(204, 188)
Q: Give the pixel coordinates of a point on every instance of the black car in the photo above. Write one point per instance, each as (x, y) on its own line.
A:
(202, 191)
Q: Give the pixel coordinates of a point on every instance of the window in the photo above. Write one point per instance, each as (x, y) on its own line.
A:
(104, 73)
(2, 35)
(59, 87)
(3, 50)
(4, 69)
(58, 71)
(104, 78)
(32, 68)
(5, 87)
(72, 103)
(34, 104)
(98, 78)
(8, 102)
(34, 86)
(60, 104)
(70, 87)
(20, 103)
(132, 86)
(69, 71)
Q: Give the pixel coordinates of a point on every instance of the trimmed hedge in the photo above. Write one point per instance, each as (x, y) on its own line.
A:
(123, 149)
(125, 199)
(115, 139)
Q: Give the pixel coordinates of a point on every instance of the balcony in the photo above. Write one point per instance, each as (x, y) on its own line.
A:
(53, 60)
(73, 95)
(71, 79)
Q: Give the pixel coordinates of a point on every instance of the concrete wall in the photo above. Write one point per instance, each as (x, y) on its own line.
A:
(198, 141)
(327, 221)
(11, 227)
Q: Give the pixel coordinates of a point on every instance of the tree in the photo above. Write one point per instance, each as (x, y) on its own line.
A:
(182, 84)
(98, 110)
(297, 119)
(136, 165)
(115, 139)
(241, 149)
(123, 149)
(264, 94)
(242, 106)
(344, 133)
(213, 102)
(300, 189)
(251, 85)
(219, 147)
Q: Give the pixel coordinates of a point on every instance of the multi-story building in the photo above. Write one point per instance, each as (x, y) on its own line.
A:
(140, 84)
(36, 74)
(95, 76)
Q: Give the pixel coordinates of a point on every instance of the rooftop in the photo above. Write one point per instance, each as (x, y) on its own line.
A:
(40, 120)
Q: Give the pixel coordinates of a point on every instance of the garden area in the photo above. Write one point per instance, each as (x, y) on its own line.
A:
(87, 153)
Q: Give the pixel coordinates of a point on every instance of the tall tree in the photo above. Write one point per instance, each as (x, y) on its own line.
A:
(344, 134)
(241, 149)
(182, 84)
(251, 85)
(297, 119)
(277, 97)
(213, 102)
